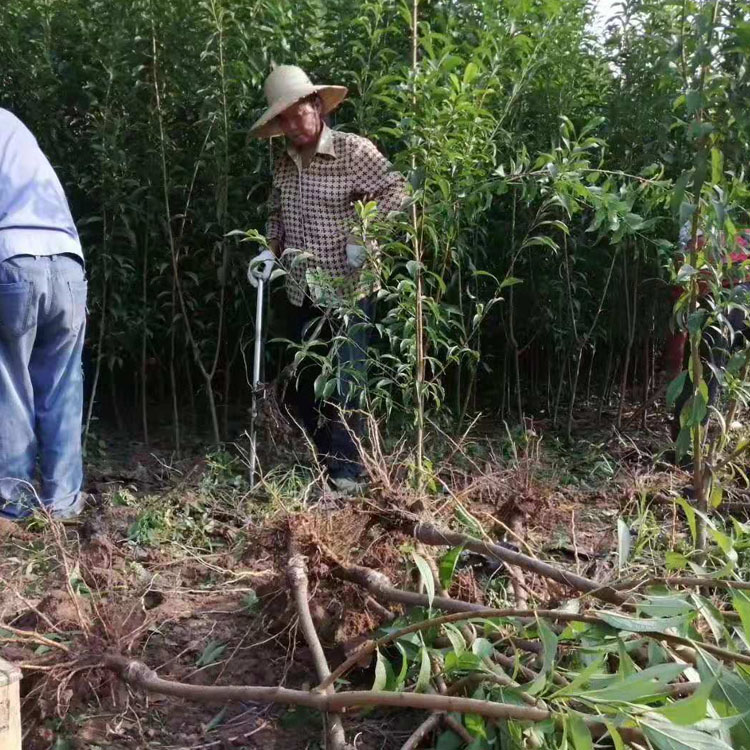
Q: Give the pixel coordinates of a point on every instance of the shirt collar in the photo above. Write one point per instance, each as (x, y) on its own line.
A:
(325, 146)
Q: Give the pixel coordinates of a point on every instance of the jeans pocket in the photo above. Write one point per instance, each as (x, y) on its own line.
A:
(15, 309)
(78, 293)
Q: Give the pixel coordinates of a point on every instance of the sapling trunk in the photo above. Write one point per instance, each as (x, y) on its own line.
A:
(99, 352)
(631, 309)
(592, 359)
(572, 377)
(144, 341)
(207, 374)
(419, 375)
(172, 373)
(605, 383)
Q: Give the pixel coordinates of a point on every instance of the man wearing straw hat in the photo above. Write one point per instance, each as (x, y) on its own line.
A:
(317, 181)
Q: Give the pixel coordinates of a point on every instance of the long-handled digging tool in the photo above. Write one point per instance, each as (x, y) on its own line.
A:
(257, 359)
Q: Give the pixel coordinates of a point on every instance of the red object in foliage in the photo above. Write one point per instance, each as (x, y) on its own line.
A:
(674, 346)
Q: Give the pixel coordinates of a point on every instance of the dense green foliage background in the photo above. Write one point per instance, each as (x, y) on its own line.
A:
(144, 105)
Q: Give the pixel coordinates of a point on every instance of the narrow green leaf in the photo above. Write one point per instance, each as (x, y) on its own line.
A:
(675, 388)
(401, 677)
(447, 566)
(381, 673)
(668, 736)
(741, 603)
(583, 678)
(690, 710)
(425, 574)
(579, 733)
(689, 515)
(642, 624)
(615, 735)
(649, 682)
(627, 665)
(730, 696)
(425, 671)
(476, 725)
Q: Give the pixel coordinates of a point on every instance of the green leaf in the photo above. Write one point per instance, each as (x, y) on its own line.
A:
(456, 638)
(476, 725)
(649, 682)
(642, 624)
(381, 673)
(675, 561)
(425, 574)
(425, 671)
(470, 73)
(741, 604)
(668, 736)
(675, 388)
(665, 606)
(615, 735)
(730, 696)
(690, 710)
(211, 653)
(447, 566)
(401, 677)
(627, 666)
(579, 732)
(689, 515)
(717, 166)
(217, 721)
(678, 191)
(583, 678)
(623, 544)
(549, 646)
(694, 101)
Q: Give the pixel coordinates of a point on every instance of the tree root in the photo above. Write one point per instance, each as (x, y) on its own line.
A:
(297, 577)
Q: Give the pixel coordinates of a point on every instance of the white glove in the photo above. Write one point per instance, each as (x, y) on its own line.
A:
(260, 267)
(356, 254)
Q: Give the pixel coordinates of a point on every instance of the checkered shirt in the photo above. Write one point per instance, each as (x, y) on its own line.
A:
(312, 208)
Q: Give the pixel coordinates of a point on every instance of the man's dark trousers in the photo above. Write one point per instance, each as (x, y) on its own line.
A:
(334, 425)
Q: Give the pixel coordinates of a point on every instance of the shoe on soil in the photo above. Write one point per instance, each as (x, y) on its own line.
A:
(71, 513)
(347, 485)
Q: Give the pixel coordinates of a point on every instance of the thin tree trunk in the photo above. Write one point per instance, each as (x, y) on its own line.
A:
(172, 373)
(592, 358)
(418, 312)
(605, 384)
(144, 342)
(99, 356)
(632, 314)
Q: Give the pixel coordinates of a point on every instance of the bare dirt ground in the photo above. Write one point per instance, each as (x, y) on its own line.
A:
(177, 564)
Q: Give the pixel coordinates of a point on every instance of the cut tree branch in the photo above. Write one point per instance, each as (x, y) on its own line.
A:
(137, 674)
(430, 534)
(297, 577)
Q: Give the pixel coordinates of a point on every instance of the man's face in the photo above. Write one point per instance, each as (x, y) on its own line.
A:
(301, 122)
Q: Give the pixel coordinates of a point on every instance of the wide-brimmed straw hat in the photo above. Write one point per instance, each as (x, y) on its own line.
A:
(286, 85)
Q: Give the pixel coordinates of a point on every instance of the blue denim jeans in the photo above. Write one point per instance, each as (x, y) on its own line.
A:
(333, 433)
(42, 322)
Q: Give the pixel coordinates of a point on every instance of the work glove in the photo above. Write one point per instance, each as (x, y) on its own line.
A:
(260, 267)
(356, 252)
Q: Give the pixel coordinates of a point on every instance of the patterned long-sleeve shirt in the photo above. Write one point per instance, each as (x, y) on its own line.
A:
(312, 207)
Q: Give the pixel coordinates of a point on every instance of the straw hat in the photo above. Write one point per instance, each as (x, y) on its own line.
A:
(286, 85)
